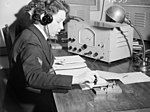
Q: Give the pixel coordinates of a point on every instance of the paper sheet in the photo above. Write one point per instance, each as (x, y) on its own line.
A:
(134, 77)
(80, 71)
(109, 75)
(126, 78)
(75, 65)
(69, 66)
(73, 72)
(68, 59)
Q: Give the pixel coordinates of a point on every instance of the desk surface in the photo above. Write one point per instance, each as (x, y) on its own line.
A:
(132, 98)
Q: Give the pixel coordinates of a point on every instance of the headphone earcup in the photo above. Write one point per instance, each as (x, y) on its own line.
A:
(46, 19)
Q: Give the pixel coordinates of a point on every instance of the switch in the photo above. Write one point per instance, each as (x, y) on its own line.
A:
(95, 54)
(101, 57)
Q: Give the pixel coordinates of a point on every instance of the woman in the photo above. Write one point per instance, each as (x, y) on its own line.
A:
(32, 58)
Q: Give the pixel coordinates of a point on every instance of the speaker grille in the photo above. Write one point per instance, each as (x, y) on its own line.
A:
(139, 19)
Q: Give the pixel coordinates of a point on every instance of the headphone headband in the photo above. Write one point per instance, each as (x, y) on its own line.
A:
(48, 8)
(39, 10)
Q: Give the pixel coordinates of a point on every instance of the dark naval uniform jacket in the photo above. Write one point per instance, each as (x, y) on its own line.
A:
(31, 65)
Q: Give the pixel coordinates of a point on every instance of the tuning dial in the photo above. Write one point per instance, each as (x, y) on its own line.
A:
(79, 50)
(71, 39)
(84, 46)
(88, 53)
(70, 47)
(74, 49)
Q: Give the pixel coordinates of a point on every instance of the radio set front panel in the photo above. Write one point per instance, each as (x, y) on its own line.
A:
(102, 43)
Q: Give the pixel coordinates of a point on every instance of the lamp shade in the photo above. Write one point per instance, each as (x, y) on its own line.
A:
(116, 13)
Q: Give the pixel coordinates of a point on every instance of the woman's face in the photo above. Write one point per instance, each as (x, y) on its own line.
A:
(57, 24)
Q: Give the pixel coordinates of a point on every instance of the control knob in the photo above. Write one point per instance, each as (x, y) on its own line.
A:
(84, 46)
(88, 53)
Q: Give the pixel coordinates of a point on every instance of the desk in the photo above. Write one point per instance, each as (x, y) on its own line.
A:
(133, 98)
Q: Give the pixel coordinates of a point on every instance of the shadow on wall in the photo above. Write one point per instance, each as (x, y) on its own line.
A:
(22, 22)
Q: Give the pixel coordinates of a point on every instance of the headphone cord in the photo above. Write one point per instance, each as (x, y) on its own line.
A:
(48, 32)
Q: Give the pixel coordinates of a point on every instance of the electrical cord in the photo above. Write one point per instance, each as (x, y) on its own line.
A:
(76, 18)
(137, 58)
(102, 10)
(143, 62)
(139, 34)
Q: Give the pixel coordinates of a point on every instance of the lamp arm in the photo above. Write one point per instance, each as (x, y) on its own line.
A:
(141, 37)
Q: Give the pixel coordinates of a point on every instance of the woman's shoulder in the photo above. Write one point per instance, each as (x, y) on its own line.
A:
(28, 36)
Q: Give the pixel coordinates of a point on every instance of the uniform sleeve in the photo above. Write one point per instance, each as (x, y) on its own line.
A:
(31, 58)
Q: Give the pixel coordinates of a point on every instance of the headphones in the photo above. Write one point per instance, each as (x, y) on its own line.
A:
(46, 19)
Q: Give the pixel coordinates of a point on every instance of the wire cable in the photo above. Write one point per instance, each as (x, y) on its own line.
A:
(102, 10)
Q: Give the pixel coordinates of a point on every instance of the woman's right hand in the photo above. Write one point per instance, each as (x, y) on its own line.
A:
(87, 76)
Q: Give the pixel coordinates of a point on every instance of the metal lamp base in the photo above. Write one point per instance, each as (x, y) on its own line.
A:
(144, 68)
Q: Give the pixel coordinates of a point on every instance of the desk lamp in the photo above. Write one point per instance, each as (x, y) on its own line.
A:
(117, 14)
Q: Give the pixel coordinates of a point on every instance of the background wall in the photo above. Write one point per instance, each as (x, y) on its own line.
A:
(8, 9)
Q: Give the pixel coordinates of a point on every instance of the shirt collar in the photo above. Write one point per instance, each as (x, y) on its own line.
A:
(42, 31)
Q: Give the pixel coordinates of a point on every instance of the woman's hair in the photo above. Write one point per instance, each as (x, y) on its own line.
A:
(46, 7)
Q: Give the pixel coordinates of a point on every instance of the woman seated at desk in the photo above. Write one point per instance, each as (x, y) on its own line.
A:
(32, 59)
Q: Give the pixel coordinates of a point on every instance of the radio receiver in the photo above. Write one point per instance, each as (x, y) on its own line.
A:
(105, 41)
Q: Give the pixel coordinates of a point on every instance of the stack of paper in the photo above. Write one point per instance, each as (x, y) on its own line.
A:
(73, 72)
(70, 65)
(68, 59)
(75, 65)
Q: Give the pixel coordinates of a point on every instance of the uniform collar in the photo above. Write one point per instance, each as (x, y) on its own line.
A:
(42, 31)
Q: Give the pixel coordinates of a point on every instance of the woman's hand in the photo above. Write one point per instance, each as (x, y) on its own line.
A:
(87, 76)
